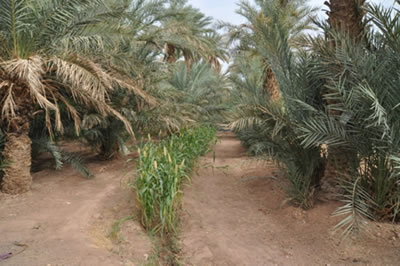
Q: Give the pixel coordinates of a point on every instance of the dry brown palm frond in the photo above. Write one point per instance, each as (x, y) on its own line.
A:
(92, 77)
(87, 81)
(59, 125)
(104, 109)
(72, 112)
(19, 74)
(127, 124)
(8, 102)
(85, 75)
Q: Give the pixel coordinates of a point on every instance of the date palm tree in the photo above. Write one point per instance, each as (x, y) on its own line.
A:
(186, 32)
(52, 54)
(344, 96)
(199, 92)
(345, 20)
(266, 21)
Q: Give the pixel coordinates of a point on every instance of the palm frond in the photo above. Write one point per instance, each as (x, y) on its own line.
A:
(357, 209)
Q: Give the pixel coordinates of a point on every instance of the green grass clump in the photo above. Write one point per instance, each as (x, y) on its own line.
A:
(162, 168)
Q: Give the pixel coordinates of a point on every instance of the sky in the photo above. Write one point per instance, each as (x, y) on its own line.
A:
(225, 9)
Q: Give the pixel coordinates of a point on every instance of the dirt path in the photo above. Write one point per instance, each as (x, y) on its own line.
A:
(233, 216)
(67, 220)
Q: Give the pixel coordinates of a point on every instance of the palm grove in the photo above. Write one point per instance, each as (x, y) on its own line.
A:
(318, 97)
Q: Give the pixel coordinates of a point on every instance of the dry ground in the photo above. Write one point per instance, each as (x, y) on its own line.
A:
(67, 220)
(233, 215)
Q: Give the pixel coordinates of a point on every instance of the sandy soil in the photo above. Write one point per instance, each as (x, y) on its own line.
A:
(233, 215)
(67, 220)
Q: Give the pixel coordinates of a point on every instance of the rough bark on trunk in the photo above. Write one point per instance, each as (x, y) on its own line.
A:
(17, 154)
(347, 16)
(108, 152)
(170, 53)
(188, 61)
(318, 174)
(213, 60)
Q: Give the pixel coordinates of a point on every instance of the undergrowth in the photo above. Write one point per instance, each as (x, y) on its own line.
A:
(161, 170)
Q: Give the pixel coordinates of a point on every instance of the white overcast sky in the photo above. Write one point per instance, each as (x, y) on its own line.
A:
(225, 9)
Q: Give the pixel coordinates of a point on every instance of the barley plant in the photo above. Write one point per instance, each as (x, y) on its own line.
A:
(161, 170)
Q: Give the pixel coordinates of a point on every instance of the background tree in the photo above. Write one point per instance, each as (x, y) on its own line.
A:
(186, 32)
(265, 125)
(261, 33)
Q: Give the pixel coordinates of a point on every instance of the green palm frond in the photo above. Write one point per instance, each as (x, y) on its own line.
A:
(60, 156)
(357, 209)
(77, 163)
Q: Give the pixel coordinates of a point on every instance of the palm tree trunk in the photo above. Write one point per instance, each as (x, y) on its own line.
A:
(213, 61)
(17, 155)
(347, 16)
(170, 53)
(318, 173)
(188, 60)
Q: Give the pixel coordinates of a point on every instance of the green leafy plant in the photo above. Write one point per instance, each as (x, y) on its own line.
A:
(162, 168)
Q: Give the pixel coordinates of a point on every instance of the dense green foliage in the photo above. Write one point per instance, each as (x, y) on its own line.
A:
(161, 170)
(338, 108)
(267, 125)
(104, 72)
